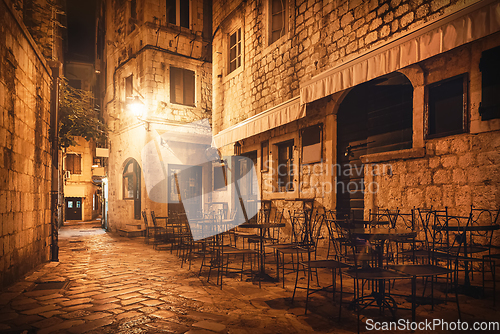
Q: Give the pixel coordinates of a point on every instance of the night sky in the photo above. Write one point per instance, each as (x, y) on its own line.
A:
(81, 29)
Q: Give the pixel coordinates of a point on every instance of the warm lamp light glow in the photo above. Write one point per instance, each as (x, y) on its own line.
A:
(137, 107)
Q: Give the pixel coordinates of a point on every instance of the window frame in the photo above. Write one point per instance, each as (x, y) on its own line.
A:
(264, 156)
(178, 14)
(129, 86)
(270, 21)
(238, 44)
(135, 177)
(173, 97)
(289, 177)
(314, 127)
(71, 168)
(465, 108)
(489, 108)
(223, 170)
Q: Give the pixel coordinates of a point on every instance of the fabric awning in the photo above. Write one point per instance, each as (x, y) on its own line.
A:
(469, 24)
(281, 114)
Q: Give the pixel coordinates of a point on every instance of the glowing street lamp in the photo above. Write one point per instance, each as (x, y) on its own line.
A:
(138, 108)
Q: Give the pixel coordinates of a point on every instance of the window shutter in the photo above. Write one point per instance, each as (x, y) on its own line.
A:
(176, 85)
(77, 164)
(171, 11)
(189, 87)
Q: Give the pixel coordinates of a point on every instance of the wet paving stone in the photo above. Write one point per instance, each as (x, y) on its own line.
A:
(121, 285)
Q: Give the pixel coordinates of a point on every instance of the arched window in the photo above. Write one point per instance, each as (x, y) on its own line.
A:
(131, 185)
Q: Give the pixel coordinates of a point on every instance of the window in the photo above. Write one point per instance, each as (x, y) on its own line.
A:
(235, 50)
(264, 156)
(133, 9)
(75, 83)
(178, 12)
(219, 178)
(311, 144)
(181, 86)
(277, 19)
(129, 86)
(490, 73)
(447, 107)
(131, 180)
(285, 166)
(246, 166)
(74, 163)
(133, 15)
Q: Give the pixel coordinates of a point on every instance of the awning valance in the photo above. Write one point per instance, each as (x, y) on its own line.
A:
(469, 24)
(281, 114)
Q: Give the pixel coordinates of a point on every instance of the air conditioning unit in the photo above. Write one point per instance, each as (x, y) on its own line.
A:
(67, 174)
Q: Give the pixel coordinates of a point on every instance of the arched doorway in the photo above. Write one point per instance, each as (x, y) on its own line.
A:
(131, 184)
(374, 117)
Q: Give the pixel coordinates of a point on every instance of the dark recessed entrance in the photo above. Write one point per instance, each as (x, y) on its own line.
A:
(73, 208)
(374, 117)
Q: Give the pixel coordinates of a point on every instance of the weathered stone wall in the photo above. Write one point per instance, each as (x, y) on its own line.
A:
(456, 172)
(25, 164)
(320, 34)
(323, 34)
(453, 171)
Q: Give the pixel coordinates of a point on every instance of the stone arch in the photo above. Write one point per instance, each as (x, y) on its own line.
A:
(131, 184)
(373, 117)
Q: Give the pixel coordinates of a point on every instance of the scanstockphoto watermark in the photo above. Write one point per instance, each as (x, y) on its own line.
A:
(348, 178)
(431, 325)
(347, 170)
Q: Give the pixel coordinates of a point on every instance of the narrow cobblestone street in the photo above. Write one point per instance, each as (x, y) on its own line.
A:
(112, 284)
(105, 283)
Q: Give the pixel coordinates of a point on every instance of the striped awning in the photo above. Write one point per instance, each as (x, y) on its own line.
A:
(281, 114)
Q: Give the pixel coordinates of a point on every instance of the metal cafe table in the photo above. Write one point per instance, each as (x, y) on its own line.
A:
(377, 238)
(262, 227)
(467, 287)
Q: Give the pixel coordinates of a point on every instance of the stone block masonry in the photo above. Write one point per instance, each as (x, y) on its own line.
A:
(24, 151)
(319, 34)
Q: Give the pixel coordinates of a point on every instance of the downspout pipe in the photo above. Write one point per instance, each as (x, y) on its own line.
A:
(56, 68)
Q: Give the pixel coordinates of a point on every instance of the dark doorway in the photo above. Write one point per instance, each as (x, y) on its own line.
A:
(132, 185)
(73, 208)
(374, 117)
(187, 179)
(246, 165)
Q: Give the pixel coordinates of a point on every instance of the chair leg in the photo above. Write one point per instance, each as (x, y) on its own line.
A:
(308, 283)
(341, 290)
(295, 288)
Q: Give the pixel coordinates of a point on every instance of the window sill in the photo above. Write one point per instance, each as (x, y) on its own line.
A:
(411, 153)
(232, 74)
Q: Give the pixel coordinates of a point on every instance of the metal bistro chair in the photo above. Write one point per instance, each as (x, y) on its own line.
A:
(222, 252)
(300, 240)
(361, 271)
(148, 229)
(313, 263)
(158, 231)
(428, 268)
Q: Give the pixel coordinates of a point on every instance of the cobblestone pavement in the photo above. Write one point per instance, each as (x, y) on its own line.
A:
(105, 283)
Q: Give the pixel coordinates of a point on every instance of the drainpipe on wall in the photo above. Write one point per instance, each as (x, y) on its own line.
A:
(54, 138)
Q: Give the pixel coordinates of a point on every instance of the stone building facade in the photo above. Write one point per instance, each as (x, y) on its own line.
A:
(156, 53)
(356, 96)
(25, 160)
(82, 196)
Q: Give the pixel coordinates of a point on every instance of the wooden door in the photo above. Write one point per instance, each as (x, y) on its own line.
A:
(73, 208)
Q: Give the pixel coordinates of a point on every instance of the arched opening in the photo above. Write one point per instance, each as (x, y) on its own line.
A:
(131, 185)
(374, 117)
